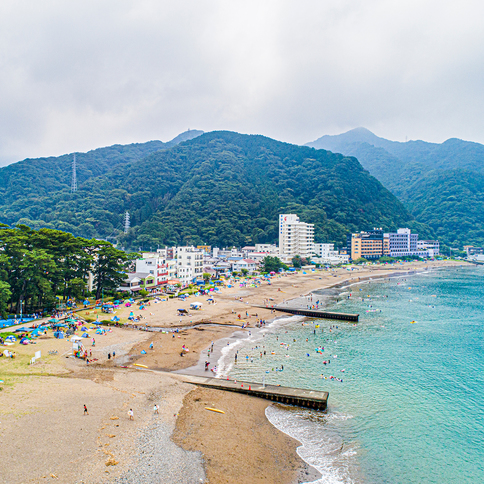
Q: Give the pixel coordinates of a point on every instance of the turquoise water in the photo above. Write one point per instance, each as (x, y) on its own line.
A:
(410, 407)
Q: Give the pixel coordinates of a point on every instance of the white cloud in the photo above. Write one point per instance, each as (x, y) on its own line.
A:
(78, 75)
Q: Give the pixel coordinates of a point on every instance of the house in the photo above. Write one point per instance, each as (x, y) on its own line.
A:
(248, 264)
(135, 281)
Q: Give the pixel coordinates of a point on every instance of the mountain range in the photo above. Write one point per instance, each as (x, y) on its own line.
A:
(442, 185)
(218, 188)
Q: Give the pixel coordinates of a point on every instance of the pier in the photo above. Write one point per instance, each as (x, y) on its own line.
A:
(314, 313)
(292, 396)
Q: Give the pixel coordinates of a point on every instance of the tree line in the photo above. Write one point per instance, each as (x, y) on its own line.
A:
(40, 268)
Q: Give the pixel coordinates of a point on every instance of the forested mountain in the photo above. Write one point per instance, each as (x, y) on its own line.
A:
(441, 184)
(220, 188)
(43, 177)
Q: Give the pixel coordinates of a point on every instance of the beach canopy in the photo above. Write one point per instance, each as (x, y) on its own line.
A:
(83, 328)
(85, 335)
(75, 338)
(53, 320)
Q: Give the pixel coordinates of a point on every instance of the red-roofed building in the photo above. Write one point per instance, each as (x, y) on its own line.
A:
(249, 264)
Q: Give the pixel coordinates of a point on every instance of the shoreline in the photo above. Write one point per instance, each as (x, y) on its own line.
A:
(312, 474)
(61, 385)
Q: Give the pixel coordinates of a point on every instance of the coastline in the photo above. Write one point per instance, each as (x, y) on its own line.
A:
(63, 385)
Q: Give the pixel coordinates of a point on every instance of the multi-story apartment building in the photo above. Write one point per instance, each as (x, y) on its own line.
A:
(324, 250)
(295, 237)
(374, 244)
(189, 263)
(402, 243)
(368, 245)
(432, 246)
(153, 263)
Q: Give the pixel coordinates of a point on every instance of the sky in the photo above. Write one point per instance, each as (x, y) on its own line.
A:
(79, 75)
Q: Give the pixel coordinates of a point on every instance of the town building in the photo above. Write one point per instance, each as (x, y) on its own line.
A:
(368, 245)
(471, 250)
(249, 265)
(431, 246)
(153, 263)
(325, 254)
(189, 262)
(207, 249)
(136, 281)
(295, 237)
(402, 243)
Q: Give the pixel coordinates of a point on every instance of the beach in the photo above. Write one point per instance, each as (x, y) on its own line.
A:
(42, 404)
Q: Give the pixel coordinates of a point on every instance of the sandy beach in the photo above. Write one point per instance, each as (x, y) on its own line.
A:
(41, 405)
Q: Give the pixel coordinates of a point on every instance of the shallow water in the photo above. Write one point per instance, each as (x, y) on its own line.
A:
(410, 406)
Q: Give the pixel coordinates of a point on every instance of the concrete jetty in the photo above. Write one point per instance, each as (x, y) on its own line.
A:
(293, 396)
(314, 313)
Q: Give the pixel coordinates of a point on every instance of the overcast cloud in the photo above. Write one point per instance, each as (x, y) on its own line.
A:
(77, 75)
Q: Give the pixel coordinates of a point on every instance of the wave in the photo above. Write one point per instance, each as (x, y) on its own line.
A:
(322, 449)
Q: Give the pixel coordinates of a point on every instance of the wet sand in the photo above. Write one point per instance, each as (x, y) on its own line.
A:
(41, 414)
(240, 446)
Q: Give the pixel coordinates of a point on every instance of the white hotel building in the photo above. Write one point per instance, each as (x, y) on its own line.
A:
(189, 264)
(295, 237)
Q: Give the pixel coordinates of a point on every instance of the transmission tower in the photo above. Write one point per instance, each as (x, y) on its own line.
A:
(126, 222)
(74, 175)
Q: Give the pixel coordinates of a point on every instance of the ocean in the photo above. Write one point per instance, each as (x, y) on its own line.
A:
(410, 406)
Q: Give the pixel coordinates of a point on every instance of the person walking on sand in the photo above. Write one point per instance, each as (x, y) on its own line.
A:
(85, 411)
(131, 414)
(156, 409)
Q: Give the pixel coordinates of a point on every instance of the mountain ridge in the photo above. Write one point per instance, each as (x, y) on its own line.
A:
(217, 188)
(413, 169)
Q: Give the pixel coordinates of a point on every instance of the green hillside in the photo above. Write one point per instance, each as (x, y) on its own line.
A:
(220, 188)
(42, 177)
(434, 181)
